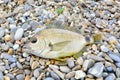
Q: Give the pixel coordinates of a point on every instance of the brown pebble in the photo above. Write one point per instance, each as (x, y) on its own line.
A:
(10, 51)
(22, 59)
(27, 77)
(35, 64)
(6, 78)
(7, 38)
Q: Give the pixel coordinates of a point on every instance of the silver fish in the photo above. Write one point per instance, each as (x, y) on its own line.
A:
(56, 43)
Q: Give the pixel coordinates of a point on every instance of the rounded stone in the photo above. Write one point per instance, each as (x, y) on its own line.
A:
(19, 34)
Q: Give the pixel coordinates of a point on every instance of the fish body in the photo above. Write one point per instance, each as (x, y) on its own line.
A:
(57, 43)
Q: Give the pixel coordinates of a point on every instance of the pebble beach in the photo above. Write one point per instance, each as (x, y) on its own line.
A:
(19, 19)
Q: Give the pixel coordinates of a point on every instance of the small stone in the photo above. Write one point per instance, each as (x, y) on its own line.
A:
(80, 61)
(10, 51)
(35, 64)
(97, 69)
(2, 32)
(18, 34)
(25, 54)
(53, 66)
(88, 63)
(104, 48)
(54, 75)
(60, 74)
(27, 77)
(49, 78)
(6, 78)
(1, 76)
(10, 75)
(77, 67)
(36, 73)
(70, 63)
(79, 74)
(64, 69)
(7, 38)
(114, 57)
(5, 47)
(27, 71)
(19, 65)
(110, 69)
(20, 77)
(110, 77)
(16, 46)
(70, 75)
(33, 78)
(2, 68)
(112, 40)
(118, 72)
(12, 65)
(94, 57)
(26, 26)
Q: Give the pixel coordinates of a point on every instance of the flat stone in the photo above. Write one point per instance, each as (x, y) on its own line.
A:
(70, 63)
(114, 57)
(94, 57)
(70, 75)
(54, 75)
(49, 78)
(20, 77)
(36, 73)
(65, 69)
(110, 77)
(104, 48)
(97, 69)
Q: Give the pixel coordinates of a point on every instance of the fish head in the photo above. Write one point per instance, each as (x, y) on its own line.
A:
(35, 45)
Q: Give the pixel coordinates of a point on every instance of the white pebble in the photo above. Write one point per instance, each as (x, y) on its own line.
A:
(16, 46)
(19, 34)
(79, 74)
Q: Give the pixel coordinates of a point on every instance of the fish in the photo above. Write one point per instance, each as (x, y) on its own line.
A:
(56, 43)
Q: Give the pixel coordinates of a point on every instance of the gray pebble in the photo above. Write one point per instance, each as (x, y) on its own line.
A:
(70, 75)
(94, 57)
(104, 48)
(12, 65)
(33, 78)
(36, 73)
(1, 76)
(64, 69)
(26, 26)
(19, 65)
(97, 69)
(70, 63)
(49, 78)
(54, 75)
(27, 71)
(88, 63)
(9, 57)
(118, 72)
(19, 34)
(34, 24)
(114, 57)
(110, 77)
(10, 75)
(20, 77)
(2, 32)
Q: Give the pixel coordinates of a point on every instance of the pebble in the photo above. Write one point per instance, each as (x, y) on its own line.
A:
(114, 57)
(5, 47)
(104, 48)
(10, 75)
(64, 69)
(60, 74)
(110, 77)
(54, 75)
(1, 76)
(112, 40)
(70, 75)
(19, 34)
(10, 51)
(12, 65)
(27, 72)
(34, 65)
(15, 46)
(26, 26)
(70, 63)
(36, 73)
(6, 78)
(33, 78)
(19, 65)
(80, 61)
(7, 38)
(27, 77)
(118, 72)
(94, 57)
(25, 54)
(2, 32)
(79, 74)
(88, 63)
(49, 78)
(20, 77)
(53, 66)
(97, 69)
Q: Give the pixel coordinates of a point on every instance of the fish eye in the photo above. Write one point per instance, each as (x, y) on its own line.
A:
(33, 40)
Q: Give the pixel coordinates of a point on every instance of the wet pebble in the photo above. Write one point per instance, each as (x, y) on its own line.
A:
(19, 34)
(97, 69)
